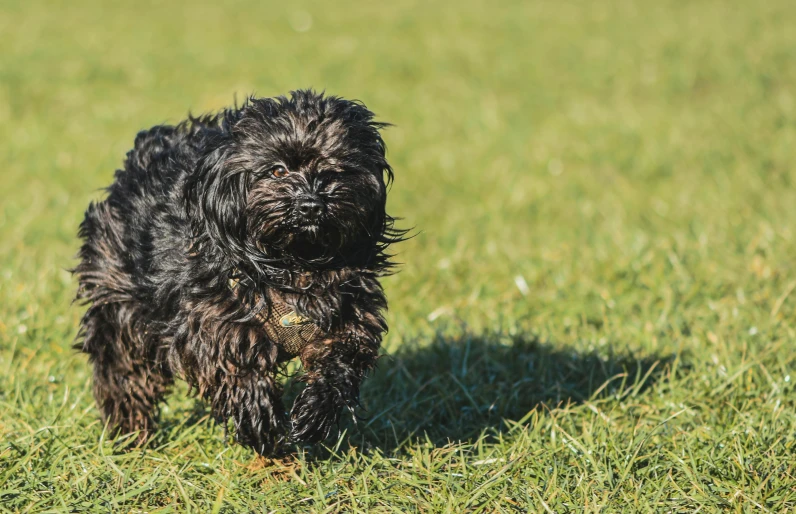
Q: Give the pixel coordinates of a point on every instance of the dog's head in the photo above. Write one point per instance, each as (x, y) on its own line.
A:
(297, 182)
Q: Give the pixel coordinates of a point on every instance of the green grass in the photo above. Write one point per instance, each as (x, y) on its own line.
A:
(597, 314)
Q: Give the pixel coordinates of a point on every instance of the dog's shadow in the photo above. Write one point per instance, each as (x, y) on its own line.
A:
(455, 388)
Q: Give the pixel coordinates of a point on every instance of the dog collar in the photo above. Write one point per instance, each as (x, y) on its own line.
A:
(290, 331)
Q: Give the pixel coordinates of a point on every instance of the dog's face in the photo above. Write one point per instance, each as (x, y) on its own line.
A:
(299, 181)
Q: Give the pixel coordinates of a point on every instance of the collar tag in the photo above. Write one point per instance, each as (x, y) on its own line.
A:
(291, 319)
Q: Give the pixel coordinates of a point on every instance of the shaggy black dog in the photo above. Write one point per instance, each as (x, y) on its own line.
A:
(230, 244)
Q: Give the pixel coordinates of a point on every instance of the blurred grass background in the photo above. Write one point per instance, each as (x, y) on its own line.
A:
(596, 314)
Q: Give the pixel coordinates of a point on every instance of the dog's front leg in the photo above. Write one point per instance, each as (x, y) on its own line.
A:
(335, 369)
(233, 366)
(252, 401)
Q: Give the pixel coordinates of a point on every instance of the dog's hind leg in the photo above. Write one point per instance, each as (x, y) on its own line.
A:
(128, 385)
(130, 375)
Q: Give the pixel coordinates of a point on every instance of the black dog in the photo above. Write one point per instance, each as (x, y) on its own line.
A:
(230, 244)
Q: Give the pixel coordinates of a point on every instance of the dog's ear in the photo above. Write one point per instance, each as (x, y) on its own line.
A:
(216, 197)
(383, 230)
(381, 222)
(366, 132)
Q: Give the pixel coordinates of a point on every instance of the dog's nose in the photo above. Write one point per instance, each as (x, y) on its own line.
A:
(310, 207)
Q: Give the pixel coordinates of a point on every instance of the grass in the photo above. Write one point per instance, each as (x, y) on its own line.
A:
(599, 310)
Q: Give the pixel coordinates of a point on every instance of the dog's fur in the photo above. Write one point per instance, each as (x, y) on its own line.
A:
(200, 230)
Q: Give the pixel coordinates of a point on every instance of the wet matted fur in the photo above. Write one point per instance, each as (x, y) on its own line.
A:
(210, 226)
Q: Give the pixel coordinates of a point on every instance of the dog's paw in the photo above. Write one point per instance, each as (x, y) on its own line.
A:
(264, 440)
(315, 412)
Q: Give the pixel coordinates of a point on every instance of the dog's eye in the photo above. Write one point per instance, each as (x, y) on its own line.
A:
(279, 171)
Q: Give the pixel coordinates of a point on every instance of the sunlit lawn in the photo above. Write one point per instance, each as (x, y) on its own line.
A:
(598, 312)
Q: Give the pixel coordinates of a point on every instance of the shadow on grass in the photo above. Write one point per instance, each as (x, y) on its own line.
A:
(454, 388)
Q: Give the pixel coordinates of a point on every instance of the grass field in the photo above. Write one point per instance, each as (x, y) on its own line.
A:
(598, 312)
